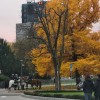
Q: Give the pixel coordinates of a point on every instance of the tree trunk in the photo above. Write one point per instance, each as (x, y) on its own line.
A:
(57, 72)
(57, 79)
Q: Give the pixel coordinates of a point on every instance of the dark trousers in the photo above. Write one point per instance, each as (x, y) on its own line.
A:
(97, 97)
(88, 96)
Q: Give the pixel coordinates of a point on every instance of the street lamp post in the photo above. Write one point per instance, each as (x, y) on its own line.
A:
(21, 71)
(0, 71)
(22, 85)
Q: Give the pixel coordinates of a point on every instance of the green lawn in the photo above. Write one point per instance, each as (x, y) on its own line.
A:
(60, 94)
(49, 91)
(63, 93)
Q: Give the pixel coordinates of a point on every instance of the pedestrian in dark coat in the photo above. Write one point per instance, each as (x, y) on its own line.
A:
(97, 88)
(88, 88)
(6, 84)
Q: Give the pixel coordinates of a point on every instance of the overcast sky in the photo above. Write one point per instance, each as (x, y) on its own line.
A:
(10, 14)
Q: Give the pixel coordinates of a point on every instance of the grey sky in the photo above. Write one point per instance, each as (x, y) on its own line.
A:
(10, 14)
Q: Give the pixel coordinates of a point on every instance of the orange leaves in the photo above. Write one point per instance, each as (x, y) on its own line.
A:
(89, 65)
(42, 60)
(85, 44)
(41, 50)
(65, 69)
(85, 13)
(41, 33)
(57, 5)
(90, 48)
(66, 22)
(95, 36)
(43, 64)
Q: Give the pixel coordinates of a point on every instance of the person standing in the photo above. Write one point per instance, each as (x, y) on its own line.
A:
(88, 88)
(97, 88)
(19, 83)
(6, 84)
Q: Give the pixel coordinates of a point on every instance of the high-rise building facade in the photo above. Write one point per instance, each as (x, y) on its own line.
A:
(30, 11)
(22, 30)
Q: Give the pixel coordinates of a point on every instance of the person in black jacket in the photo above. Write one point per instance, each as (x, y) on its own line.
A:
(88, 88)
(97, 88)
(6, 84)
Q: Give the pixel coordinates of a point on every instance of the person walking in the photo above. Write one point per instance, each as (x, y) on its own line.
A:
(88, 88)
(97, 88)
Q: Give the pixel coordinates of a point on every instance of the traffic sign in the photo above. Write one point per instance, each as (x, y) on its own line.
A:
(71, 65)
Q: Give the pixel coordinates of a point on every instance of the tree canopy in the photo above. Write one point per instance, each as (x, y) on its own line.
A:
(64, 34)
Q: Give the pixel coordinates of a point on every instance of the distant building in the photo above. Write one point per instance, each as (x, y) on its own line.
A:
(30, 11)
(22, 30)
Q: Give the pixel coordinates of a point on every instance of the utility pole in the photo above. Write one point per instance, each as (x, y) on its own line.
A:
(21, 70)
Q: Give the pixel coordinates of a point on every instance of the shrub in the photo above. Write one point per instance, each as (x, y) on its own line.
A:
(4, 78)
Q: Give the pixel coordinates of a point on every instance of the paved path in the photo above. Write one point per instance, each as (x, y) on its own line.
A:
(12, 95)
(6, 92)
(15, 98)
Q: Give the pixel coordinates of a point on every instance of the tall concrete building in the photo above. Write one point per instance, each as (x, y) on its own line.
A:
(22, 30)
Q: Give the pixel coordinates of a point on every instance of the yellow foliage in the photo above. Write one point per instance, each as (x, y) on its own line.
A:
(83, 44)
(90, 65)
(78, 19)
(42, 61)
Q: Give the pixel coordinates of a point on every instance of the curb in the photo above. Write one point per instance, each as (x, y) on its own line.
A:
(45, 98)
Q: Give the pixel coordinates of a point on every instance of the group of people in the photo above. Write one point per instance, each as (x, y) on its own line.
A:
(16, 84)
(89, 87)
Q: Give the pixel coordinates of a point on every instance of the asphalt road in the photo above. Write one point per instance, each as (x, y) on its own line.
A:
(15, 98)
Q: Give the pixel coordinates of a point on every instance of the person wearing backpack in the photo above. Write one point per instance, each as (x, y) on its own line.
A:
(97, 88)
(88, 88)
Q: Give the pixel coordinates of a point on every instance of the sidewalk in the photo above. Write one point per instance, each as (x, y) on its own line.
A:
(6, 92)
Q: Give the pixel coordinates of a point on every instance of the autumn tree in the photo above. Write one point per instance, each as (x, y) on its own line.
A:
(58, 20)
(87, 49)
